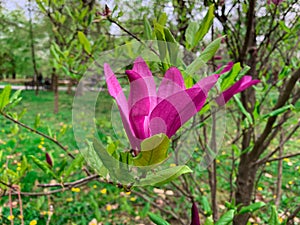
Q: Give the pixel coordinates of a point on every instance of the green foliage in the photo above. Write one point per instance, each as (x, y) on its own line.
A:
(195, 33)
(154, 150)
(157, 220)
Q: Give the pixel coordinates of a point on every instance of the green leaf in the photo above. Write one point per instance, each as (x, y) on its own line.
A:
(226, 218)
(278, 111)
(77, 162)
(172, 46)
(37, 121)
(229, 78)
(204, 26)
(111, 163)
(243, 110)
(4, 97)
(206, 55)
(190, 35)
(147, 29)
(157, 219)
(43, 166)
(206, 207)
(164, 176)
(162, 45)
(53, 53)
(154, 150)
(274, 216)
(209, 221)
(252, 208)
(163, 19)
(85, 42)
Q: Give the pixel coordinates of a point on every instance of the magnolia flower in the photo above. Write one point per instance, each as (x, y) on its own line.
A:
(239, 86)
(148, 111)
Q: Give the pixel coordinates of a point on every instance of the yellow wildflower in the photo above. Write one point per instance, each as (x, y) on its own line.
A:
(259, 188)
(128, 193)
(69, 199)
(33, 222)
(94, 186)
(74, 189)
(108, 207)
(103, 191)
(132, 199)
(172, 165)
(10, 217)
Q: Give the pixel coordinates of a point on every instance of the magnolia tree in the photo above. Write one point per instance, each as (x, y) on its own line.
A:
(172, 91)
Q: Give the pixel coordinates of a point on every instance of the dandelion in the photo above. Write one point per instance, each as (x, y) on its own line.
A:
(33, 222)
(259, 188)
(74, 189)
(103, 191)
(108, 207)
(132, 199)
(10, 217)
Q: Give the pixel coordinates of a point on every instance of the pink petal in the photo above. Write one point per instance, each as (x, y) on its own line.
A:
(171, 113)
(117, 93)
(227, 68)
(142, 97)
(172, 82)
(239, 86)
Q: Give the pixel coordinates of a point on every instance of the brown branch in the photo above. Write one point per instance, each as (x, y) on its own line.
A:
(72, 184)
(250, 30)
(284, 157)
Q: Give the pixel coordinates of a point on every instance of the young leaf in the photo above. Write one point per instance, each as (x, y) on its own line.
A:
(190, 35)
(206, 55)
(226, 218)
(147, 29)
(154, 150)
(278, 111)
(157, 219)
(252, 208)
(77, 162)
(243, 110)
(164, 176)
(84, 42)
(206, 207)
(43, 166)
(4, 97)
(274, 216)
(204, 26)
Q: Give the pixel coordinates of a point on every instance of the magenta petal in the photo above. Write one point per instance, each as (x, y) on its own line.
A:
(141, 67)
(239, 86)
(227, 68)
(117, 93)
(207, 83)
(141, 101)
(138, 117)
(172, 82)
(172, 112)
(195, 215)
